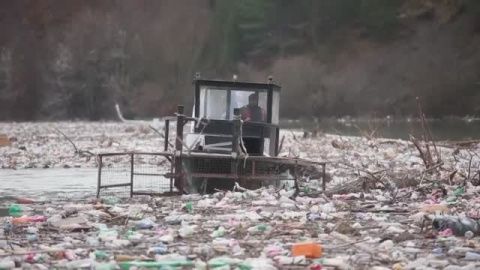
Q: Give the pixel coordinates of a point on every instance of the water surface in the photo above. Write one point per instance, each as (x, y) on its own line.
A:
(47, 182)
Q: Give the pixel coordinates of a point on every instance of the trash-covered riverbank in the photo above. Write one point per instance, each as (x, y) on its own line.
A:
(383, 209)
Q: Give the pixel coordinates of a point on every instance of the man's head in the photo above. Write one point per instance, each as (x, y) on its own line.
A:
(253, 100)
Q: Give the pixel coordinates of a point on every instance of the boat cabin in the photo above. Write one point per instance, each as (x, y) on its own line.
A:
(218, 103)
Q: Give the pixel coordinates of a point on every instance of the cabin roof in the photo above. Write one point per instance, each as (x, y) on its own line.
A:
(246, 85)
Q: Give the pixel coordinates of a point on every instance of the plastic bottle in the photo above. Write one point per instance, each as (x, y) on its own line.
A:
(20, 220)
(15, 210)
(157, 265)
(111, 200)
(92, 242)
(54, 218)
(472, 256)
(25, 220)
(80, 264)
(31, 237)
(99, 254)
(258, 229)
(135, 237)
(25, 201)
(105, 266)
(70, 255)
(7, 264)
(124, 258)
(173, 220)
(459, 192)
(309, 250)
(37, 219)
(189, 206)
(157, 250)
(185, 231)
(218, 233)
(146, 224)
(284, 260)
(320, 216)
(32, 230)
(275, 250)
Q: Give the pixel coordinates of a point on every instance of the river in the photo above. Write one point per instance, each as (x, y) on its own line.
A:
(48, 182)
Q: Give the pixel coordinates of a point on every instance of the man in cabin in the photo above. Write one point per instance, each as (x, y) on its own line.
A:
(253, 112)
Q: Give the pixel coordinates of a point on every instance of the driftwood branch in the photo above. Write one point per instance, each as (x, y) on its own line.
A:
(426, 161)
(78, 151)
(68, 139)
(120, 116)
(161, 135)
(427, 136)
(281, 144)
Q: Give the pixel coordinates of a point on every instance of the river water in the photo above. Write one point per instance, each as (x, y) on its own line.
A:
(58, 183)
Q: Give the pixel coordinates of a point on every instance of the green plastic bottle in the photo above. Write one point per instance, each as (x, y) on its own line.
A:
(189, 206)
(244, 266)
(112, 200)
(262, 227)
(459, 192)
(100, 255)
(15, 210)
(156, 265)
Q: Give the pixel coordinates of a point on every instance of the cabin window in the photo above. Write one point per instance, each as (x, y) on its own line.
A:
(213, 103)
(275, 107)
(217, 103)
(253, 112)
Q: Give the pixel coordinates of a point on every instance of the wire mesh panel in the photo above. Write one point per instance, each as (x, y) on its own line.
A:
(114, 177)
(127, 174)
(149, 174)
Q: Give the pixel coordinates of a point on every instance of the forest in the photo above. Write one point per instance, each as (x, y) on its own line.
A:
(75, 59)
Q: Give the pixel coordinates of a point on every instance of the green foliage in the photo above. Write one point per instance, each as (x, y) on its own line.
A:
(379, 18)
(472, 7)
(245, 29)
(239, 28)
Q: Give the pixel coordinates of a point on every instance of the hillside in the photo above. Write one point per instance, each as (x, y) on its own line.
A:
(75, 59)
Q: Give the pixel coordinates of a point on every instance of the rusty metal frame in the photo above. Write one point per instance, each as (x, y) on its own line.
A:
(173, 174)
(177, 174)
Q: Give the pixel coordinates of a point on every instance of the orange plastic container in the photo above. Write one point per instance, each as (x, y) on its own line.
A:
(309, 250)
(20, 220)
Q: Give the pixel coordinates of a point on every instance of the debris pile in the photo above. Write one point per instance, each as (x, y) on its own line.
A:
(384, 208)
(254, 229)
(71, 144)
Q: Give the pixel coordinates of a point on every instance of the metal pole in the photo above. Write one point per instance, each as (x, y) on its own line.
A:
(171, 178)
(99, 184)
(167, 130)
(179, 181)
(235, 142)
(324, 180)
(236, 132)
(295, 175)
(131, 173)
